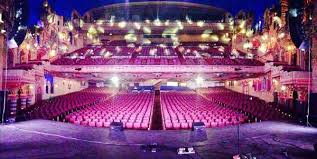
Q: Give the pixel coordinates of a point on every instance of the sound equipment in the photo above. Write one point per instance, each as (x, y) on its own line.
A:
(3, 105)
(315, 147)
(116, 126)
(198, 126)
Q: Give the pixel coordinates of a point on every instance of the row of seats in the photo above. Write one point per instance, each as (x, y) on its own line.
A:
(134, 110)
(249, 104)
(181, 109)
(156, 61)
(152, 55)
(51, 108)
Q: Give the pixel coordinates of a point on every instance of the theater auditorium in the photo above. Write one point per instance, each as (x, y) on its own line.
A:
(170, 79)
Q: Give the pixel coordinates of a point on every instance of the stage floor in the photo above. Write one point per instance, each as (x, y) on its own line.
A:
(42, 139)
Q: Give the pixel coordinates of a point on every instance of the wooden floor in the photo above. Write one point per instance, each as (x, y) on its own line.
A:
(38, 139)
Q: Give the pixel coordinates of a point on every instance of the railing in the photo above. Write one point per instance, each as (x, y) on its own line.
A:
(295, 77)
(20, 76)
(157, 68)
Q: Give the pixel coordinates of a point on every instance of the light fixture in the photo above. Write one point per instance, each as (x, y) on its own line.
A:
(115, 80)
(200, 23)
(199, 80)
(52, 53)
(122, 24)
(283, 88)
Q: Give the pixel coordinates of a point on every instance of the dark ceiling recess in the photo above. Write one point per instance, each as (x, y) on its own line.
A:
(295, 17)
(19, 29)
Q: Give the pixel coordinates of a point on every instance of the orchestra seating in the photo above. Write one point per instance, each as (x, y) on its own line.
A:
(180, 109)
(134, 110)
(51, 108)
(251, 105)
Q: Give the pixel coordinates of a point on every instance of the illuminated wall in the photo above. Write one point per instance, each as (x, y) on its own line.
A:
(247, 87)
(63, 86)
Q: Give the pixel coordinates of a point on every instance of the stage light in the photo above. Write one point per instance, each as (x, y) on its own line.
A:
(243, 31)
(61, 35)
(200, 23)
(283, 88)
(249, 33)
(147, 21)
(147, 30)
(100, 22)
(28, 47)
(70, 26)
(290, 47)
(130, 37)
(214, 38)
(81, 23)
(281, 35)
(277, 20)
(262, 48)
(50, 18)
(247, 45)
(242, 24)
(157, 22)
(220, 26)
(52, 53)
(167, 52)
(107, 54)
(225, 39)
(115, 80)
(265, 36)
(167, 23)
(293, 12)
(31, 87)
(100, 29)
(204, 36)
(137, 25)
(118, 49)
(199, 80)
(92, 30)
(122, 24)
(179, 24)
(45, 4)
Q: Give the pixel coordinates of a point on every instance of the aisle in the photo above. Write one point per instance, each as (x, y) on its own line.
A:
(157, 123)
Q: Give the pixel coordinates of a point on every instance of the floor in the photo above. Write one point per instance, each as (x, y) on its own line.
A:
(42, 139)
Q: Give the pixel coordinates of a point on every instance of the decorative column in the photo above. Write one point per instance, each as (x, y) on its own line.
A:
(12, 111)
(314, 52)
(23, 99)
(29, 100)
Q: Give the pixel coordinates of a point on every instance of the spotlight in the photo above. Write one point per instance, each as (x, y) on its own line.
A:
(293, 12)
(115, 80)
(199, 80)
(122, 24)
(283, 88)
(200, 23)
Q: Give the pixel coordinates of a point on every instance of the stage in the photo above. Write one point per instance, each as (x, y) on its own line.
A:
(42, 139)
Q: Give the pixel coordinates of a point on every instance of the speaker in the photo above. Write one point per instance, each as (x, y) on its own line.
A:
(116, 126)
(315, 147)
(198, 126)
(3, 105)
